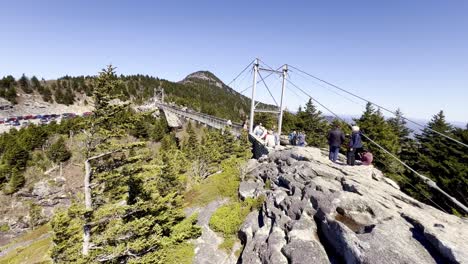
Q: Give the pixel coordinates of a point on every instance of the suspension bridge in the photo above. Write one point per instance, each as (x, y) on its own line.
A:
(257, 66)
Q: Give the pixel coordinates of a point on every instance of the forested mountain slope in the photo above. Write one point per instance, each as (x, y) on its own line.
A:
(201, 91)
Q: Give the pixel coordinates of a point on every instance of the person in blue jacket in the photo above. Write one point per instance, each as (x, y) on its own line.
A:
(355, 146)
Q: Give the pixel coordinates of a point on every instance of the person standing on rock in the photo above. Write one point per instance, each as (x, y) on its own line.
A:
(336, 137)
(292, 138)
(301, 139)
(355, 145)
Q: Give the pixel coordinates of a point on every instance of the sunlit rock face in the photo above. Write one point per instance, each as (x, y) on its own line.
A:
(316, 211)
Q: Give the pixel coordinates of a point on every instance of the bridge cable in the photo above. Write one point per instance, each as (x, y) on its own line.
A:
(268, 89)
(246, 67)
(243, 79)
(266, 77)
(390, 111)
(424, 178)
(331, 90)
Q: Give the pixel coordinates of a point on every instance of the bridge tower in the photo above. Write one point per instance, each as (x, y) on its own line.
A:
(158, 95)
(279, 112)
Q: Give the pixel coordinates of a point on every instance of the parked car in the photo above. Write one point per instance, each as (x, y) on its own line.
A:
(38, 117)
(9, 119)
(68, 115)
(2, 121)
(44, 120)
(27, 117)
(87, 113)
(15, 123)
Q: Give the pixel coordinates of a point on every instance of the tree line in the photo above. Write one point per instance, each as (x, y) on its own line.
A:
(201, 95)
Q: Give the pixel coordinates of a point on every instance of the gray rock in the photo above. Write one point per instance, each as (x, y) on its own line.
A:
(250, 189)
(322, 212)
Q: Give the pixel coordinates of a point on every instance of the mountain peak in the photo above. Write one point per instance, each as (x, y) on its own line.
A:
(204, 76)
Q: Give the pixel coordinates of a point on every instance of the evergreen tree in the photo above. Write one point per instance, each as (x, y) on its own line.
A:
(135, 215)
(407, 145)
(35, 83)
(374, 126)
(24, 84)
(398, 124)
(15, 182)
(58, 151)
(314, 124)
(191, 144)
(442, 160)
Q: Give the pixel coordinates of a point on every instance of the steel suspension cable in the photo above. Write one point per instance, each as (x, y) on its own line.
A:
(331, 90)
(384, 108)
(268, 89)
(243, 79)
(266, 77)
(424, 178)
(246, 67)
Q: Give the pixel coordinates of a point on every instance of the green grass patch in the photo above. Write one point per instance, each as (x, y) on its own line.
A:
(4, 228)
(224, 184)
(37, 252)
(180, 254)
(228, 218)
(34, 234)
(31, 235)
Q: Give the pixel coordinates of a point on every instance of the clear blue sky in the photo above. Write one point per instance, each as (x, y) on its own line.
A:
(407, 54)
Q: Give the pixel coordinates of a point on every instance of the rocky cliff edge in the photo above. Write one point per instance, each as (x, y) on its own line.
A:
(316, 211)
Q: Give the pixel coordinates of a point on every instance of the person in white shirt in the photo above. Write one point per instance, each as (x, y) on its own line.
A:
(270, 139)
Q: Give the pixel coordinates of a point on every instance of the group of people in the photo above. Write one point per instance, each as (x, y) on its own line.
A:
(336, 138)
(297, 139)
(271, 138)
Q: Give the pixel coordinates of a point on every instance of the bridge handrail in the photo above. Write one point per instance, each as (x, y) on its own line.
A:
(221, 121)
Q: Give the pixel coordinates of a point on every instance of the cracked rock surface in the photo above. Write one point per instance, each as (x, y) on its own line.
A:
(316, 211)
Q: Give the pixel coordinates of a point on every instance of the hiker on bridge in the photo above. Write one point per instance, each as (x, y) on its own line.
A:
(355, 146)
(336, 138)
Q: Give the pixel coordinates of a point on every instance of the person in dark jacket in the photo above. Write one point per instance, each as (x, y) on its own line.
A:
(355, 146)
(335, 138)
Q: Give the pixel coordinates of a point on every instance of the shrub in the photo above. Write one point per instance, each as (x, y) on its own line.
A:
(4, 228)
(58, 151)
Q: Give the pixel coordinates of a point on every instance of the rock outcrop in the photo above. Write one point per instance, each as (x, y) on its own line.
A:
(316, 211)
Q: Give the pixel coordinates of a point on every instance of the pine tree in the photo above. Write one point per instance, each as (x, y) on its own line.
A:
(100, 131)
(443, 160)
(15, 182)
(35, 83)
(407, 145)
(314, 124)
(374, 126)
(398, 124)
(191, 144)
(135, 215)
(24, 84)
(58, 151)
